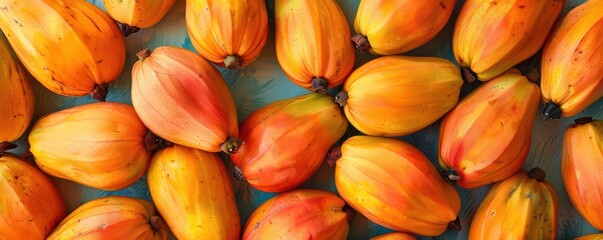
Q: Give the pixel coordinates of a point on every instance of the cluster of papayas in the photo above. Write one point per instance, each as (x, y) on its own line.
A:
(183, 122)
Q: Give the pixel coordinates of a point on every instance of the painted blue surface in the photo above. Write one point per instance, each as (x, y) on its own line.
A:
(263, 82)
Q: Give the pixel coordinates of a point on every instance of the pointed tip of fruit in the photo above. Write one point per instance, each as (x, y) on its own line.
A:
(361, 43)
(537, 173)
(100, 92)
(551, 111)
(233, 62)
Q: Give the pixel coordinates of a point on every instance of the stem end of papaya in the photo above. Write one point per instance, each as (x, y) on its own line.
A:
(100, 92)
(455, 225)
(451, 176)
(551, 111)
(159, 225)
(233, 62)
(334, 154)
(127, 29)
(232, 145)
(537, 173)
(361, 42)
(350, 213)
(319, 85)
(468, 75)
(144, 53)
(341, 98)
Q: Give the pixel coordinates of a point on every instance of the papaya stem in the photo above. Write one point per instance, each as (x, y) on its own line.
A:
(100, 92)
(319, 85)
(145, 53)
(237, 173)
(6, 146)
(537, 173)
(583, 120)
(451, 176)
(127, 29)
(334, 154)
(232, 145)
(551, 111)
(468, 75)
(159, 225)
(361, 42)
(152, 142)
(351, 214)
(455, 225)
(341, 98)
(233, 62)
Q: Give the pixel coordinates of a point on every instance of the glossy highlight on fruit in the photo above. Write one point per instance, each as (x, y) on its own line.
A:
(581, 164)
(183, 99)
(112, 217)
(487, 136)
(286, 141)
(299, 215)
(572, 62)
(399, 95)
(71, 47)
(490, 37)
(100, 145)
(230, 34)
(313, 44)
(393, 184)
(523, 206)
(30, 204)
(191, 188)
(388, 27)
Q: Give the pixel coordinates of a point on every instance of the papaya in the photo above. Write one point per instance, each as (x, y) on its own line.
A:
(30, 204)
(100, 145)
(230, 34)
(193, 193)
(399, 95)
(16, 98)
(71, 47)
(134, 15)
(268, 161)
(184, 99)
(523, 206)
(298, 215)
(581, 162)
(487, 136)
(112, 217)
(393, 184)
(313, 44)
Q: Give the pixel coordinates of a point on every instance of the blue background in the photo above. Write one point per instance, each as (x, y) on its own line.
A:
(263, 82)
